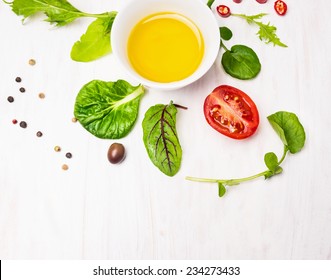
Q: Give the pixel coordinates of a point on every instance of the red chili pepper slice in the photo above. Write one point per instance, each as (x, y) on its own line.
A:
(280, 7)
(223, 11)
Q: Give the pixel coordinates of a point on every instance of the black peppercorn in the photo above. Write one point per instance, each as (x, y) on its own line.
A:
(18, 79)
(10, 99)
(23, 124)
(68, 155)
(22, 89)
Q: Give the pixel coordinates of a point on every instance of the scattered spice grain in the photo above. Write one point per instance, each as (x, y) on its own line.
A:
(41, 95)
(68, 155)
(10, 99)
(23, 124)
(14, 121)
(32, 62)
(74, 120)
(65, 167)
(39, 134)
(18, 79)
(57, 148)
(22, 89)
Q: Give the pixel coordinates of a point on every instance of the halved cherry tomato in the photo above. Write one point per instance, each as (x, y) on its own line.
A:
(231, 112)
(280, 7)
(223, 11)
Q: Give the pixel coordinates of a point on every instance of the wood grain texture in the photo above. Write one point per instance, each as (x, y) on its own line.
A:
(132, 211)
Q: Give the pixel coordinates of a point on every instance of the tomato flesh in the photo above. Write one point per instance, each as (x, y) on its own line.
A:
(280, 7)
(231, 112)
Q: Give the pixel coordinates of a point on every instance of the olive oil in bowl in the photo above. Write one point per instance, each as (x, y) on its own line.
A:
(165, 47)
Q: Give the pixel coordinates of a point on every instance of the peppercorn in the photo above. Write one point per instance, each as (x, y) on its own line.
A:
(14, 121)
(10, 99)
(41, 95)
(18, 79)
(65, 167)
(32, 62)
(68, 155)
(39, 134)
(57, 148)
(23, 124)
(74, 120)
(22, 89)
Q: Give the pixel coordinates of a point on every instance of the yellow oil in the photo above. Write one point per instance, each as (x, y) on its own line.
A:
(165, 47)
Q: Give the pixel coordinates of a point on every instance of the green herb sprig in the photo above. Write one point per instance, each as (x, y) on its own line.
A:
(267, 32)
(291, 133)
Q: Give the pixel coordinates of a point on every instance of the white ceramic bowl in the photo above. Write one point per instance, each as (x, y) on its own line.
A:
(195, 10)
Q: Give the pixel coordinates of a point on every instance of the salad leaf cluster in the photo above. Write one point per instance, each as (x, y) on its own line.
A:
(94, 44)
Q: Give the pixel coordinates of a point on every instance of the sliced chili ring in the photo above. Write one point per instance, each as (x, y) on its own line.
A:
(223, 11)
(280, 7)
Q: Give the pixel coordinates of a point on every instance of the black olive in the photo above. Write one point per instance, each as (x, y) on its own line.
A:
(116, 153)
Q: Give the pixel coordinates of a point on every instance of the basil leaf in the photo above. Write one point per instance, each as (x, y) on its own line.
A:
(95, 43)
(271, 161)
(210, 3)
(289, 129)
(221, 190)
(160, 138)
(60, 12)
(108, 109)
(226, 33)
(241, 62)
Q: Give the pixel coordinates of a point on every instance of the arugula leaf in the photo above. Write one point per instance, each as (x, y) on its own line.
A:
(108, 109)
(267, 32)
(241, 62)
(95, 43)
(60, 12)
(226, 33)
(289, 129)
(160, 138)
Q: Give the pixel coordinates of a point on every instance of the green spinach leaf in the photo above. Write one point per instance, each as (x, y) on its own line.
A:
(160, 138)
(289, 129)
(95, 43)
(226, 33)
(271, 161)
(108, 109)
(241, 62)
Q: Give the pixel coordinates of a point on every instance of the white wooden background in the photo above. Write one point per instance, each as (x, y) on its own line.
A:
(132, 211)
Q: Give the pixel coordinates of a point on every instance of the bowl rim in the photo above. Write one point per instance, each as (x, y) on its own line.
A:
(201, 70)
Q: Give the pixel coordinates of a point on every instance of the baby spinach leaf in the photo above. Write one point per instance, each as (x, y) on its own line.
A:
(95, 43)
(108, 109)
(289, 129)
(226, 33)
(241, 62)
(160, 138)
(60, 12)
